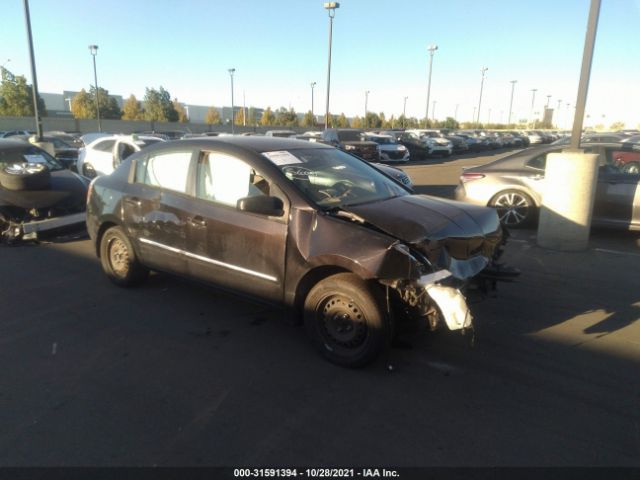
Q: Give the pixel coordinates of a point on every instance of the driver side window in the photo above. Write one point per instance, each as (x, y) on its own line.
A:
(226, 179)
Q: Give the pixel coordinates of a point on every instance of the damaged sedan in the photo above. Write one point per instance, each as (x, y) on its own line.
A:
(349, 249)
(37, 194)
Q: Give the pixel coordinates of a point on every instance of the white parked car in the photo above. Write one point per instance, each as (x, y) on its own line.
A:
(390, 149)
(104, 154)
(437, 145)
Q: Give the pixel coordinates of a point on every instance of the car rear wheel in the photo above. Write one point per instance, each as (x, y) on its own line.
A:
(514, 208)
(345, 320)
(88, 170)
(119, 260)
(632, 168)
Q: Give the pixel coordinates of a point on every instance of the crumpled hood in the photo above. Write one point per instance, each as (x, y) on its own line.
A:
(415, 218)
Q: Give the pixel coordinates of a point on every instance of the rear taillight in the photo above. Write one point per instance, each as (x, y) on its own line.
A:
(467, 177)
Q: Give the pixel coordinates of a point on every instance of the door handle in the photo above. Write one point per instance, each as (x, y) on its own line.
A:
(134, 201)
(197, 221)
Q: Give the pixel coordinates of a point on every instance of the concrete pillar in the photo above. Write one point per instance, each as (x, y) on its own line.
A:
(46, 146)
(567, 200)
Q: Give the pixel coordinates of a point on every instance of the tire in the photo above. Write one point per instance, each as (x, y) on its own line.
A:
(631, 168)
(345, 320)
(88, 170)
(515, 208)
(118, 259)
(25, 176)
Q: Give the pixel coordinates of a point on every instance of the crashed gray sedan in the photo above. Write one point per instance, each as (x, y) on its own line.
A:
(351, 251)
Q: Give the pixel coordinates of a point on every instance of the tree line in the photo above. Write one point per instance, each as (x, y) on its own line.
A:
(157, 106)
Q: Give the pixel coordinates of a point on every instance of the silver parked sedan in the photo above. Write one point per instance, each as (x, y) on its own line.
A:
(513, 185)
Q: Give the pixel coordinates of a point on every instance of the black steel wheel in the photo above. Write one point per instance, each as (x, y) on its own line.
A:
(119, 260)
(345, 320)
(514, 208)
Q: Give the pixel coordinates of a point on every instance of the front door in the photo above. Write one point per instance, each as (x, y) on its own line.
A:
(236, 249)
(617, 199)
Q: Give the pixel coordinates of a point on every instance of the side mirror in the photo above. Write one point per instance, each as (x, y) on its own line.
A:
(262, 205)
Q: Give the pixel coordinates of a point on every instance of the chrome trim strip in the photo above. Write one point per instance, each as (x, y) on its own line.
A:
(210, 260)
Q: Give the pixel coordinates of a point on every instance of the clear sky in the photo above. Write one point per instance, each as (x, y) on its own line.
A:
(279, 48)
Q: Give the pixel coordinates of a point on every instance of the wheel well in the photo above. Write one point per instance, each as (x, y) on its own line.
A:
(310, 279)
(103, 228)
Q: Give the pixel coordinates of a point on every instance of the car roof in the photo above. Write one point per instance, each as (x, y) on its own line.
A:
(11, 144)
(255, 143)
(518, 158)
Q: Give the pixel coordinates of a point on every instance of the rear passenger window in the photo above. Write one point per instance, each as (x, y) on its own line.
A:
(169, 170)
(104, 146)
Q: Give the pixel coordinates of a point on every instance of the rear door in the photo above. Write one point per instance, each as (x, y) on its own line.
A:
(617, 196)
(156, 208)
(236, 249)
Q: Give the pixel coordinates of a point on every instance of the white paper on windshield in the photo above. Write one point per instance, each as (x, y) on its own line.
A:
(35, 158)
(282, 158)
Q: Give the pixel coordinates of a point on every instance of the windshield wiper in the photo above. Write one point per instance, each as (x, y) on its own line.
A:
(339, 212)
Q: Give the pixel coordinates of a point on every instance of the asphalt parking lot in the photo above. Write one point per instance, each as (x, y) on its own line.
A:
(174, 373)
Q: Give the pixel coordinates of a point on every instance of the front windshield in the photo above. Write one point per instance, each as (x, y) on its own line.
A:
(382, 140)
(28, 154)
(331, 178)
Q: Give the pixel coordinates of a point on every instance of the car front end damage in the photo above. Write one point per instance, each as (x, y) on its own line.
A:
(453, 250)
(445, 272)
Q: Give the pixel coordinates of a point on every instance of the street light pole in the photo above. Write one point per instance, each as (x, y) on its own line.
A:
(233, 121)
(432, 49)
(404, 112)
(433, 111)
(533, 99)
(366, 101)
(34, 89)
(94, 51)
(331, 9)
(455, 112)
(513, 85)
(482, 70)
(313, 84)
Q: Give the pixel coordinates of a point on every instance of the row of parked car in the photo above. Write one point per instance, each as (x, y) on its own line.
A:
(339, 240)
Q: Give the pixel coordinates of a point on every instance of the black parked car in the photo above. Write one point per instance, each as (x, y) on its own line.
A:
(37, 194)
(295, 223)
(352, 140)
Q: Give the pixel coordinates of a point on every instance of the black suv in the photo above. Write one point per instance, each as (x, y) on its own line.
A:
(351, 141)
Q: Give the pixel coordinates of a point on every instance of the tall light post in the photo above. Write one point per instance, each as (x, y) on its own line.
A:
(186, 110)
(432, 49)
(404, 112)
(366, 103)
(455, 112)
(513, 85)
(68, 100)
(558, 113)
(233, 121)
(94, 51)
(331, 9)
(313, 85)
(433, 111)
(548, 98)
(533, 99)
(482, 70)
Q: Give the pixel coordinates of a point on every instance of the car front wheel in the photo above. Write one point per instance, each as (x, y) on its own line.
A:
(119, 260)
(514, 208)
(345, 320)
